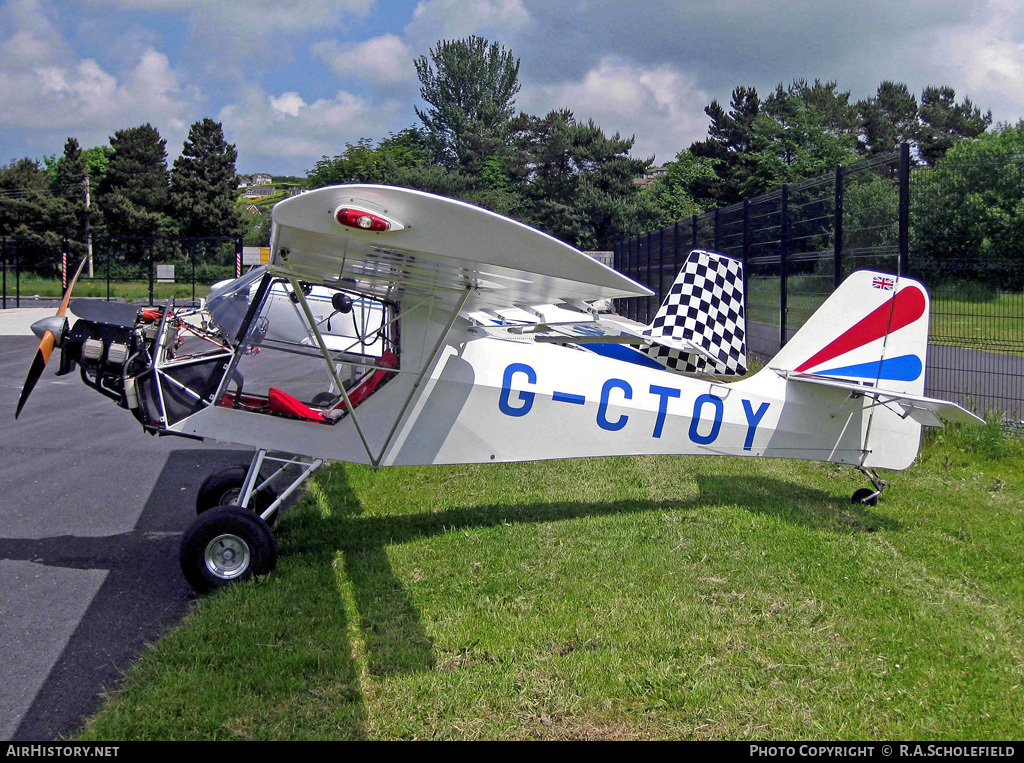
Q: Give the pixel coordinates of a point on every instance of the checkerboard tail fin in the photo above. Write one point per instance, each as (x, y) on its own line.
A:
(705, 307)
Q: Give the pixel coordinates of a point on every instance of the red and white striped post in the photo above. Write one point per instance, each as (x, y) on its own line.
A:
(238, 263)
(63, 271)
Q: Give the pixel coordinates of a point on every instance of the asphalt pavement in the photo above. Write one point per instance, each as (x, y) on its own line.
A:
(91, 512)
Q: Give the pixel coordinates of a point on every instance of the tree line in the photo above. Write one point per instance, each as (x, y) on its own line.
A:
(563, 175)
(121, 190)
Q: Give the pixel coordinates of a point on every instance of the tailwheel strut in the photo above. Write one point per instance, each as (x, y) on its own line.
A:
(868, 496)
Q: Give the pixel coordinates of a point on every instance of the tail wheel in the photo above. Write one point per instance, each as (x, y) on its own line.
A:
(224, 488)
(865, 496)
(224, 545)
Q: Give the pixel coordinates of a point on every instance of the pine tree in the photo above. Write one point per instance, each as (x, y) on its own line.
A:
(134, 191)
(887, 119)
(727, 148)
(470, 86)
(944, 122)
(203, 187)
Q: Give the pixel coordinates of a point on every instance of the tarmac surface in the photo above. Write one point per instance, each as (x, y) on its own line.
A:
(91, 513)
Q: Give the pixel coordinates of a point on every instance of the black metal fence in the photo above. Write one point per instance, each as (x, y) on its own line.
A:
(148, 264)
(799, 242)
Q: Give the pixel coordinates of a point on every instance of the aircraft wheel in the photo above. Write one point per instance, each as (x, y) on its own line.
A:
(224, 488)
(865, 496)
(224, 545)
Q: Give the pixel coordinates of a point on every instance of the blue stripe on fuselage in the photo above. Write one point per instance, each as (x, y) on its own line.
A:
(625, 353)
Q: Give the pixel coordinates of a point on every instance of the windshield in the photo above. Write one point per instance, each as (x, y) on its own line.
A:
(228, 304)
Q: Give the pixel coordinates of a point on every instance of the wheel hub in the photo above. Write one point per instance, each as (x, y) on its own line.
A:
(227, 556)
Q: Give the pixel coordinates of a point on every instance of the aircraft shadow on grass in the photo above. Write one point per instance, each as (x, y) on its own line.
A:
(143, 595)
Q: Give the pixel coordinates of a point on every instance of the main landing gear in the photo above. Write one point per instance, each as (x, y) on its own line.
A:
(232, 540)
(868, 496)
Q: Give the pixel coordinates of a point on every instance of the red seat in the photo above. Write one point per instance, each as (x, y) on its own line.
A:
(282, 402)
(363, 390)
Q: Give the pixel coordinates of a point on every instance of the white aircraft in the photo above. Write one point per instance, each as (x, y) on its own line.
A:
(394, 327)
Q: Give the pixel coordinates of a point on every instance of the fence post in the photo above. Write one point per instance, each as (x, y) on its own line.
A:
(694, 232)
(676, 258)
(661, 266)
(107, 241)
(783, 249)
(837, 233)
(192, 261)
(150, 248)
(718, 227)
(634, 271)
(904, 233)
(647, 301)
(746, 243)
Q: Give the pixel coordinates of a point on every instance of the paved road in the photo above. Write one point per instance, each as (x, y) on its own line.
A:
(91, 510)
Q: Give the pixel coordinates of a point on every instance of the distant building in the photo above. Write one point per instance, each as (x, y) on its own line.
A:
(650, 175)
(259, 191)
(261, 178)
(243, 180)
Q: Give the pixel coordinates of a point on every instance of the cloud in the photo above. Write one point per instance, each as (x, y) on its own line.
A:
(383, 60)
(86, 101)
(434, 20)
(983, 60)
(286, 130)
(34, 42)
(661, 105)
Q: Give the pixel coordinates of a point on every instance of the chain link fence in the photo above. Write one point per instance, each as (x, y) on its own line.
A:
(936, 224)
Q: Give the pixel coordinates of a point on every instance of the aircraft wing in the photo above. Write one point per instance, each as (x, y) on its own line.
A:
(423, 246)
(924, 410)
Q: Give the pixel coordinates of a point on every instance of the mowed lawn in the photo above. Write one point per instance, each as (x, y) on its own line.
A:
(627, 598)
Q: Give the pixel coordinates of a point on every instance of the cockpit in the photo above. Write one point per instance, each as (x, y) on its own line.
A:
(261, 343)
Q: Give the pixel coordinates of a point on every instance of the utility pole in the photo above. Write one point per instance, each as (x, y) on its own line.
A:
(88, 235)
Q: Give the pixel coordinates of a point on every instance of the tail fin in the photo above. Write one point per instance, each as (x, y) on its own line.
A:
(873, 329)
(705, 306)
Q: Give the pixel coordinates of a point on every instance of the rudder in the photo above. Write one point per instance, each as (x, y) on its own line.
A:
(705, 306)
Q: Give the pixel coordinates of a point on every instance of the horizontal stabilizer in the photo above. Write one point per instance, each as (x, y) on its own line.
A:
(924, 410)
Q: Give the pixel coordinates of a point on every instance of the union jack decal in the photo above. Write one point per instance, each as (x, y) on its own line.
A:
(881, 282)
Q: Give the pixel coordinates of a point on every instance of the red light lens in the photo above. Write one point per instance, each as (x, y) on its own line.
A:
(362, 220)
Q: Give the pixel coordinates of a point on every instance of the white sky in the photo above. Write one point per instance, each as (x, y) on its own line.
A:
(293, 80)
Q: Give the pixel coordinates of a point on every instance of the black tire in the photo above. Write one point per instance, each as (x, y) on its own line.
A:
(865, 496)
(223, 488)
(225, 545)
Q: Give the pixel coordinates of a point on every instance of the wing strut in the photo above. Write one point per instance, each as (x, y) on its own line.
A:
(425, 366)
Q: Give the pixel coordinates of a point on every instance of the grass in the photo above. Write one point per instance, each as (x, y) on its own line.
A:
(644, 597)
(995, 324)
(127, 290)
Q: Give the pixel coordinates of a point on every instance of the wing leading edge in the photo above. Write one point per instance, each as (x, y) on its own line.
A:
(439, 247)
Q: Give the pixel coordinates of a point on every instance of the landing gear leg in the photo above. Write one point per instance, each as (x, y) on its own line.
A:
(868, 496)
(234, 542)
(254, 485)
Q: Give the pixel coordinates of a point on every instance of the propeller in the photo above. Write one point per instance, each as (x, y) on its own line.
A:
(51, 333)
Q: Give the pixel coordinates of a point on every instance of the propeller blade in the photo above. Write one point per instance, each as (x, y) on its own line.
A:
(71, 285)
(35, 370)
(46, 345)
